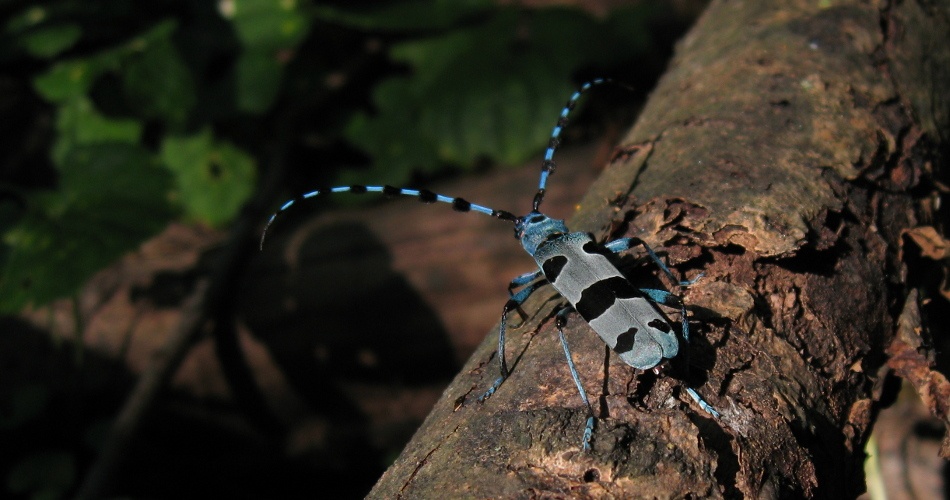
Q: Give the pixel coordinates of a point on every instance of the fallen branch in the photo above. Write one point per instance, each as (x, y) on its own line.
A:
(777, 155)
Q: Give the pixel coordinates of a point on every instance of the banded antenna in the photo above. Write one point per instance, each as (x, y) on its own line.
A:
(547, 164)
(424, 195)
(459, 204)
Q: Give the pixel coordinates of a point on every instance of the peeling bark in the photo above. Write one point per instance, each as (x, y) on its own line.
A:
(778, 155)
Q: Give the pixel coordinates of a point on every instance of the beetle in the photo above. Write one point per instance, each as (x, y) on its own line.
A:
(579, 268)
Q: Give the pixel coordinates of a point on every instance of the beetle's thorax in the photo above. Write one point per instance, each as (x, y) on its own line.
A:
(536, 228)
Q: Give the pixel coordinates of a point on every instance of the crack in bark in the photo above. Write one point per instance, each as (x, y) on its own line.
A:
(425, 460)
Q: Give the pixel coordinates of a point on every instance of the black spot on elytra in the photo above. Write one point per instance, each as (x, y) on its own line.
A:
(594, 248)
(625, 341)
(598, 297)
(552, 267)
(660, 325)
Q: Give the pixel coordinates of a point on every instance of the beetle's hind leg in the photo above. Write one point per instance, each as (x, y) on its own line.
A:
(560, 321)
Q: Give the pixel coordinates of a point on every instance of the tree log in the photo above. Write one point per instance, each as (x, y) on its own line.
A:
(782, 155)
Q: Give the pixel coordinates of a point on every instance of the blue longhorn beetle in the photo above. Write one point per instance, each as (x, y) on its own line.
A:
(624, 316)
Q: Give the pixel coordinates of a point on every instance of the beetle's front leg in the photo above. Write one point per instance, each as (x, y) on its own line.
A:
(513, 303)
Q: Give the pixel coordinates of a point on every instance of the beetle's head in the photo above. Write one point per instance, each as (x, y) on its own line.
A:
(535, 228)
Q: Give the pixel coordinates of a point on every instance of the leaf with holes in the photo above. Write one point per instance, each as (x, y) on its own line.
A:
(214, 178)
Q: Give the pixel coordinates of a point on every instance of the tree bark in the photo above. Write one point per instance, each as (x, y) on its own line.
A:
(782, 155)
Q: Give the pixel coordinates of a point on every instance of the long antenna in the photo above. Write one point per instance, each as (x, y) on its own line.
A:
(459, 204)
(547, 164)
(424, 195)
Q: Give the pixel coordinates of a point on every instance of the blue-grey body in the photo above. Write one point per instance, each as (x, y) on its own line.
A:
(625, 320)
(578, 267)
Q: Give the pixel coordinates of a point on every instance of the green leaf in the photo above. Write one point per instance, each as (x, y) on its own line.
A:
(258, 77)
(71, 79)
(407, 15)
(26, 20)
(503, 120)
(50, 41)
(78, 123)
(161, 31)
(491, 90)
(45, 474)
(268, 30)
(111, 197)
(155, 80)
(270, 24)
(392, 136)
(214, 178)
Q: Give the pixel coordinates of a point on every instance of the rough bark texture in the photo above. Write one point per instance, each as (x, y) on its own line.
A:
(777, 155)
